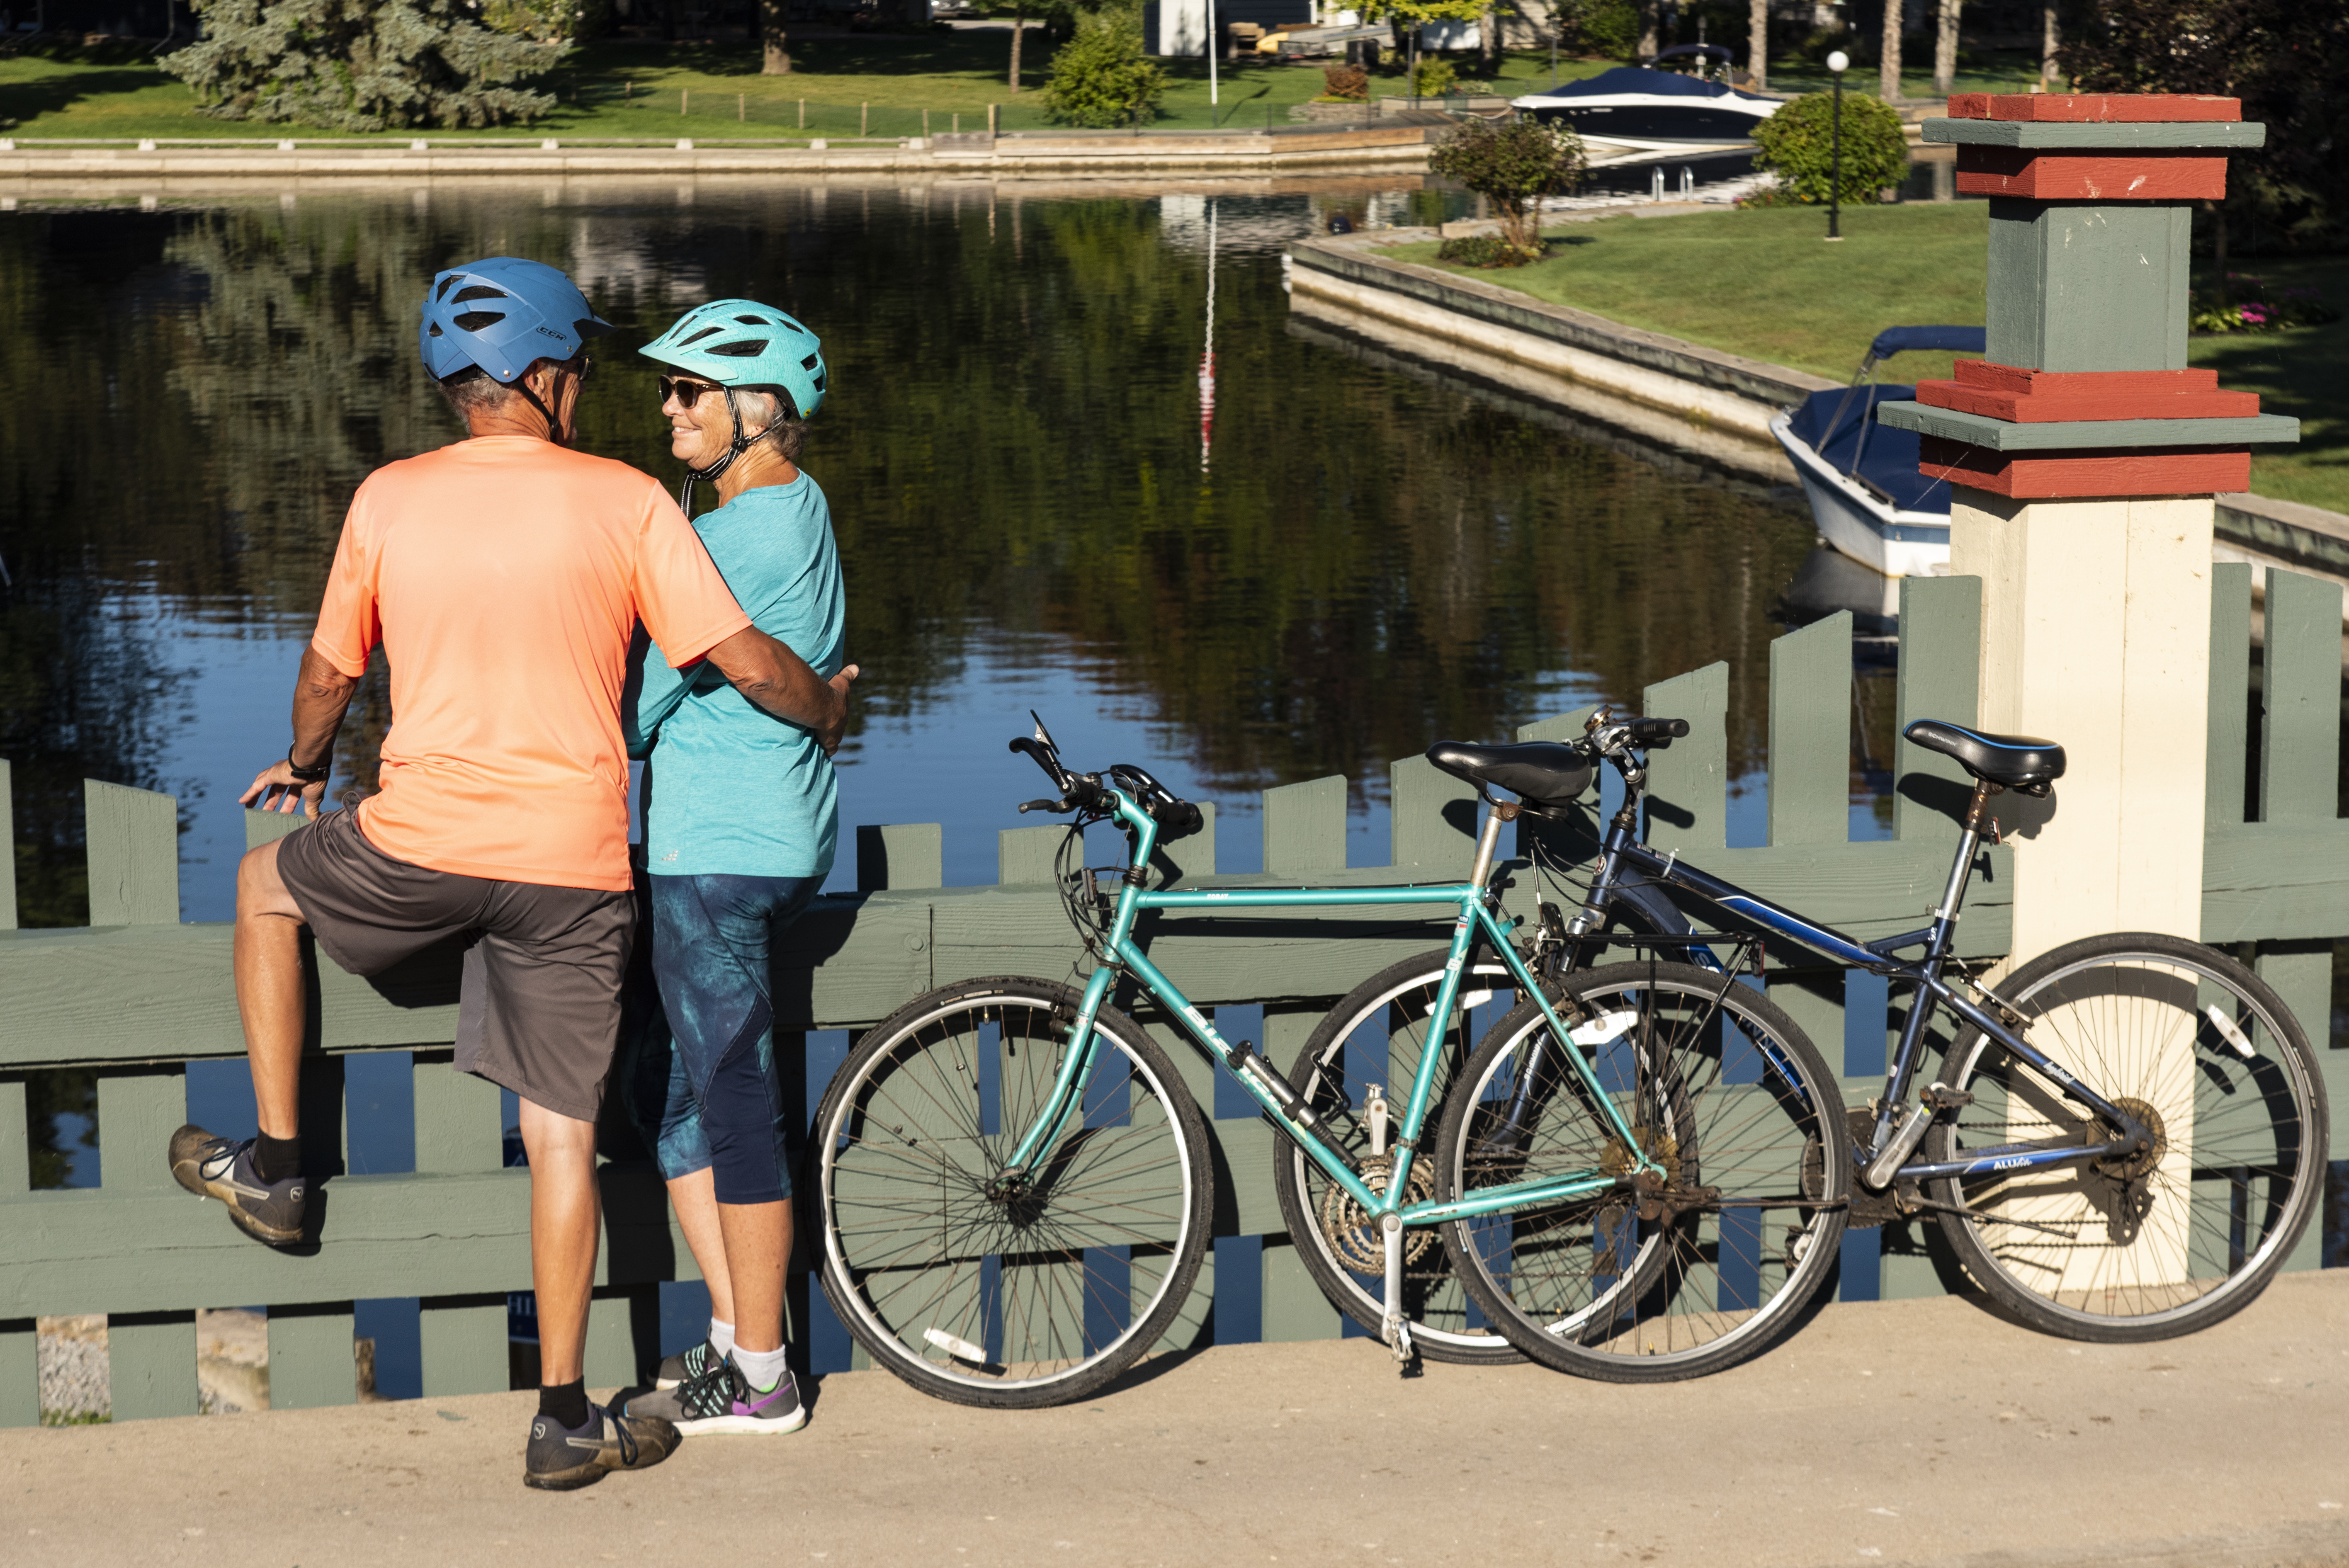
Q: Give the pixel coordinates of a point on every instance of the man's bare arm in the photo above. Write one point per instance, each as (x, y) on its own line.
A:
(772, 675)
(322, 695)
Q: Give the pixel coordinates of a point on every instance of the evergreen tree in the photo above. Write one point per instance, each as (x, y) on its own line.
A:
(1101, 76)
(360, 64)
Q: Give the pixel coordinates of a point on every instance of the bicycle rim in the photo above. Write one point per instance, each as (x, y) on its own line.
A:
(1021, 1300)
(2182, 1233)
(1723, 1091)
(1376, 1034)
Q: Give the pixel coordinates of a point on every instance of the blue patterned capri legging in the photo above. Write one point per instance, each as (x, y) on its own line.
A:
(702, 1083)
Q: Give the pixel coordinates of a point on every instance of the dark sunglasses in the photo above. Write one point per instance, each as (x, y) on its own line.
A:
(686, 393)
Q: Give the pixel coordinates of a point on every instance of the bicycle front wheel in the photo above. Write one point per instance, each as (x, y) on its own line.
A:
(1377, 1035)
(2174, 1237)
(1703, 1266)
(1022, 1295)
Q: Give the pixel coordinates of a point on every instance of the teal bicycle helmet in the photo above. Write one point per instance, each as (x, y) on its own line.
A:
(740, 345)
(503, 315)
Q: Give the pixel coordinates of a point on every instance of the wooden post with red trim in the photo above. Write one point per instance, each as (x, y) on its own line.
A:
(2082, 452)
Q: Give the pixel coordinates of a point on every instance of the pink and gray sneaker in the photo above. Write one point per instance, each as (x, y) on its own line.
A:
(720, 1399)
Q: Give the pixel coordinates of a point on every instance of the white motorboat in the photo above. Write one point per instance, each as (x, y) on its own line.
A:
(1651, 112)
(1866, 497)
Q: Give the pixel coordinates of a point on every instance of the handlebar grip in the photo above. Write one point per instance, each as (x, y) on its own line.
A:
(1657, 728)
(1178, 819)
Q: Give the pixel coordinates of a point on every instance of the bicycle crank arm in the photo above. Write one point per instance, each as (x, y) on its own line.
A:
(1397, 1326)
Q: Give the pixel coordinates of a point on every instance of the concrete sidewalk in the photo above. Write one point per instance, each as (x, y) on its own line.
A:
(1911, 1432)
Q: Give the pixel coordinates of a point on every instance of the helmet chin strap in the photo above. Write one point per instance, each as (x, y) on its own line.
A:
(553, 430)
(742, 444)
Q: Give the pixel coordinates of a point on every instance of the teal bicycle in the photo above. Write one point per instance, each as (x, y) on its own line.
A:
(1015, 1184)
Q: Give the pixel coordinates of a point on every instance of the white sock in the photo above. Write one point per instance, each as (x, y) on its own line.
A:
(721, 1334)
(762, 1369)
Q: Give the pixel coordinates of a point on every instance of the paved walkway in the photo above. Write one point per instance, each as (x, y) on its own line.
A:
(1913, 1432)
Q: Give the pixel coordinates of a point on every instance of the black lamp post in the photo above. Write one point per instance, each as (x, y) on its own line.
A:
(1837, 63)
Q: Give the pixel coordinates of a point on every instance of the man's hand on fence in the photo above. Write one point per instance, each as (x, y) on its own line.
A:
(276, 789)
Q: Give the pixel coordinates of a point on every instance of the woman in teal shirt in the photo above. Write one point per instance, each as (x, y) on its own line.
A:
(741, 815)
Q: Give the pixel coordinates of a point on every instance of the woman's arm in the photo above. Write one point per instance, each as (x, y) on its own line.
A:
(651, 695)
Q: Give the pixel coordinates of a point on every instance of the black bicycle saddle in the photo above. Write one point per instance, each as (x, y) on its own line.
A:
(2017, 761)
(1546, 772)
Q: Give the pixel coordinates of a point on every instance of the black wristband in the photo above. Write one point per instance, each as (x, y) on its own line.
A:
(318, 775)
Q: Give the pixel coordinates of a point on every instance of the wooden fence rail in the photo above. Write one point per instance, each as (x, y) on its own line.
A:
(138, 995)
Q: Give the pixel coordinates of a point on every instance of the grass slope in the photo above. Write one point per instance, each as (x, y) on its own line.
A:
(1764, 283)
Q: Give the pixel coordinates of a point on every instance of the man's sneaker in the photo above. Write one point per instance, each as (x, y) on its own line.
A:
(562, 1460)
(722, 1400)
(688, 1364)
(217, 1168)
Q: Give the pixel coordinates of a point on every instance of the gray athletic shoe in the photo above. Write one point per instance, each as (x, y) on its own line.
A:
(562, 1460)
(213, 1167)
(687, 1364)
(722, 1400)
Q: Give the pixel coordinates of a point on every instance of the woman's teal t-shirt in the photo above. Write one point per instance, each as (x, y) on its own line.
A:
(729, 788)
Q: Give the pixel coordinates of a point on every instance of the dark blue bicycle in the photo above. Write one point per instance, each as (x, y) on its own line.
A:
(2122, 1141)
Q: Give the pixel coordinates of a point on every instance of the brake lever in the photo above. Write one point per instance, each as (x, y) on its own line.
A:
(1028, 806)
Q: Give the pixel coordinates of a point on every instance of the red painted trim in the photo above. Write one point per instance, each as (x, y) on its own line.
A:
(2128, 108)
(2056, 476)
(2159, 174)
(1990, 376)
(2041, 408)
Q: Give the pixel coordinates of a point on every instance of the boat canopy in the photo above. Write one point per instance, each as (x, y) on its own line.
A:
(1840, 424)
(1634, 81)
(1893, 340)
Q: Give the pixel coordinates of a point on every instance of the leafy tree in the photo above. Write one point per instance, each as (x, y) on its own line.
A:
(1100, 77)
(1797, 145)
(1433, 77)
(360, 64)
(1512, 165)
(2289, 62)
(1405, 17)
(548, 21)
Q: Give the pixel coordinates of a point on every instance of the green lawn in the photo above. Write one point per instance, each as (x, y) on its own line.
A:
(1763, 283)
(709, 91)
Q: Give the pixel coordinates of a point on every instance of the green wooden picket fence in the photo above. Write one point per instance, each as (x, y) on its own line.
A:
(138, 995)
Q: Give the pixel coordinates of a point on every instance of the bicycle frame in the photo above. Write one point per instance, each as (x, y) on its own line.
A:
(1623, 856)
(1477, 918)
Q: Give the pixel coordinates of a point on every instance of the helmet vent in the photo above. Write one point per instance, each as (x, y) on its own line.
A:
(697, 337)
(753, 321)
(480, 291)
(433, 330)
(748, 349)
(819, 382)
(810, 361)
(478, 320)
(446, 284)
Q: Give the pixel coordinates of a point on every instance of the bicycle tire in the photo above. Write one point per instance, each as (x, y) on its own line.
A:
(2185, 1235)
(1723, 1088)
(1331, 1079)
(1015, 1302)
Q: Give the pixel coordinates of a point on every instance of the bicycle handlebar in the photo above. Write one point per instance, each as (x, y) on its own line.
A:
(1176, 817)
(1656, 728)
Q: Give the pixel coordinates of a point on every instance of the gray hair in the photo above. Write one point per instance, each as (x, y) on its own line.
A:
(473, 390)
(786, 437)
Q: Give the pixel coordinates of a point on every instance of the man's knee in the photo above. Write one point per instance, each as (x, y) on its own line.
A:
(260, 890)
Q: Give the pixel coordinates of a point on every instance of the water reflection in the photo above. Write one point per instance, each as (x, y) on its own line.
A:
(1013, 452)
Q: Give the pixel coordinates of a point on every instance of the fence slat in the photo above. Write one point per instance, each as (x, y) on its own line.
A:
(1810, 733)
(20, 1374)
(154, 1361)
(1305, 827)
(15, 1141)
(1187, 860)
(457, 1116)
(2300, 739)
(1940, 678)
(1024, 856)
(619, 1333)
(900, 855)
(137, 1111)
(1687, 780)
(1431, 819)
(134, 855)
(464, 1343)
(312, 1364)
(1294, 1306)
(266, 827)
(2230, 706)
(7, 851)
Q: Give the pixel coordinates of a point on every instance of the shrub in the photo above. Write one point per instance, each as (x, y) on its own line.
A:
(1100, 77)
(1512, 164)
(1345, 84)
(1485, 251)
(1435, 77)
(1607, 27)
(359, 65)
(1797, 146)
(2248, 304)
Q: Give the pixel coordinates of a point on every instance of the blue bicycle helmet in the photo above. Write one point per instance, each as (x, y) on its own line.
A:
(741, 344)
(503, 315)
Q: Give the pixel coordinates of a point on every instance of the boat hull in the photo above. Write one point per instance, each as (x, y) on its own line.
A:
(1858, 524)
(1654, 125)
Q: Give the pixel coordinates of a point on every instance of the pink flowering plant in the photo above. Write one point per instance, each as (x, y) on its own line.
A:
(2248, 304)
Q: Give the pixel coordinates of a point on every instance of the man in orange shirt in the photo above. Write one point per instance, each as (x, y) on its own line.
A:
(503, 576)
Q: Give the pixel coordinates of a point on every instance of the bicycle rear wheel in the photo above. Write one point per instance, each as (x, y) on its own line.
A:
(1011, 1299)
(2176, 1237)
(1723, 1090)
(1377, 1034)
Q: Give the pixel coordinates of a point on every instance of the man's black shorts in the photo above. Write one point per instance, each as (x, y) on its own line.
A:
(540, 1011)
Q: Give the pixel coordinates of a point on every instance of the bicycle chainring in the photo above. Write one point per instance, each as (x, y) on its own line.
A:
(1351, 1234)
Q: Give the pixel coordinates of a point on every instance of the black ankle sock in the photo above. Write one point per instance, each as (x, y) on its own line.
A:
(566, 1402)
(275, 1158)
